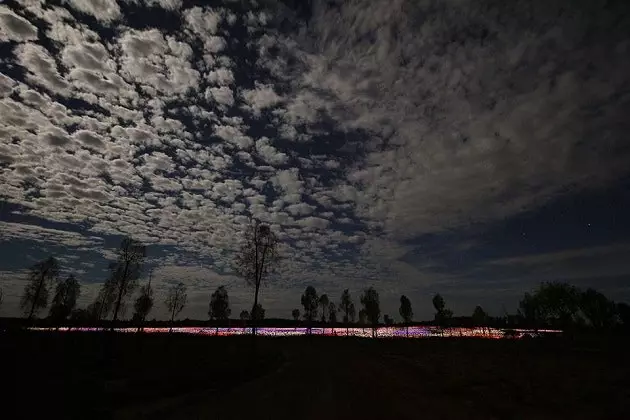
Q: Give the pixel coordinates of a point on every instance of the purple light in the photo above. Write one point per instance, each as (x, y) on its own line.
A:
(412, 332)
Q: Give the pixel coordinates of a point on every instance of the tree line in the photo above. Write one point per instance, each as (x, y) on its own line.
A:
(551, 305)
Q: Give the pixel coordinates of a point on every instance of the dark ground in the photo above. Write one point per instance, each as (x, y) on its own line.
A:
(90, 376)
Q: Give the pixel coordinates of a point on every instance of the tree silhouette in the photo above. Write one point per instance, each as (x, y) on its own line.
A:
(143, 304)
(553, 304)
(479, 317)
(442, 314)
(175, 301)
(219, 306)
(256, 258)
(332, 313)
(345, 305)
(103, 304)
(1, 296)
(65, 299)
(79, 317)
(35, 295)
(310, 302)
(258, 314)
(244, 318)
(623, 311)
(323, 303)
(362, 318)
(387, 320)
(600, 312)
(352, 312)
(295, 314)
(405, 311)
(371, 306)
(125, 272)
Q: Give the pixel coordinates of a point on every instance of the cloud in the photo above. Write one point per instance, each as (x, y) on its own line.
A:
(23, 231)
(261, 97)
(41, 67)
(269, 153)
(354, 133)
(443, 116)
(14, 27)
(103, 10)
(222, 95)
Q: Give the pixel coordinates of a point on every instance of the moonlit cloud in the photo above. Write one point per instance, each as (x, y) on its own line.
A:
(352, 133)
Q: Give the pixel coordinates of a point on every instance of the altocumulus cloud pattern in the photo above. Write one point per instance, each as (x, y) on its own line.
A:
(350, 127)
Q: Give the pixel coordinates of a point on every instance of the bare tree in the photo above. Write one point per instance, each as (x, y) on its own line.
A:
(35, 295)
(405, 311)
(323, 303)
(371, 305)
(143, 304)
(65, 299)
(126, 271)
(257, 257)
(345, 305)
(219, 306)
(175, 301)
(310, 302)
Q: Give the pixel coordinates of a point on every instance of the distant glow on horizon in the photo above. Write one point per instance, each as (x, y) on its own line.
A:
(413, 332)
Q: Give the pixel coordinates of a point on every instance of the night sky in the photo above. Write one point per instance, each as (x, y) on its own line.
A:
(470, 148)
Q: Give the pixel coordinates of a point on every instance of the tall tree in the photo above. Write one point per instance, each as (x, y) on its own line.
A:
(244, 318)
(35, 295)
(388, 320)
(104, 302)
(600, 312)
(442, 314)
(295, 314)
(405, 311)
(257, 257)
(372, 308)
(125, 272)
(176, 300)
(332, 313)
(66, 294)
(258, 313)
(323, 303)
(143, 304)
(345, 305)
(219, 306)
(310, 302)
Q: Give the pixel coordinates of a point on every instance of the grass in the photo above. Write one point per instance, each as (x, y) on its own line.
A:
(135, 376)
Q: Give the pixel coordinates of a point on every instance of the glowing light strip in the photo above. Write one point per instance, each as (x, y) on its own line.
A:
(412, 332)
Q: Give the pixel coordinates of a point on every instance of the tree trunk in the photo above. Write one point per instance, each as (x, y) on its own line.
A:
(254, 320)
(36, 297)
(120, 295)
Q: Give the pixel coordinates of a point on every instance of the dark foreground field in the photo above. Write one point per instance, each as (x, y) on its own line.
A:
(93, 376)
